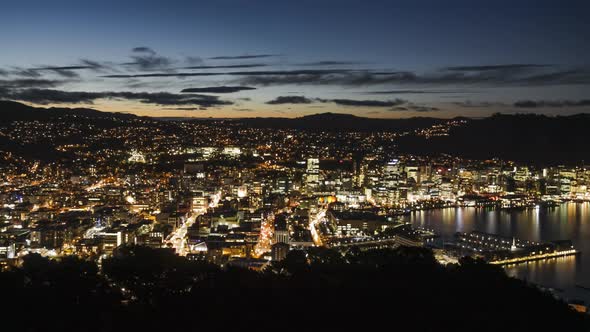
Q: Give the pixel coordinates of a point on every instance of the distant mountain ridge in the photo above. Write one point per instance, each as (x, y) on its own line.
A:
(530, 138)
(15, 111)
(339, 121)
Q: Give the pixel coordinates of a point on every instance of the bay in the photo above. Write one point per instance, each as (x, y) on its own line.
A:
(569, 221)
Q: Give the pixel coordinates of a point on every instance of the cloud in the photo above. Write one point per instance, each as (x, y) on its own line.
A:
(226, 66)
(180, 75)
(531, 76)
(24, 72)
(290, 100)
(289, 73)
(523, 74)
(150, 62)
(404, 92)
(572, 76)
(342, 102)
(422, 109)
(143, 49)
(414, 108)
(552, 103)
(345, 77)
(186, 108)
(64, 71)
(330, 63)
(29, 83)
(146, 59)
(517, 66)
(235, 57)
(478, 104)
(193, 60)
(218, 89)
(60, 68)
(133, 83)
(48, 96)
(298, 77)
(95, 65)
(368, 103)
(67, 72)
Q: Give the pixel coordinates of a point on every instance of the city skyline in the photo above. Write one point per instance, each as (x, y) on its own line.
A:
(213, 165)
(281, 59)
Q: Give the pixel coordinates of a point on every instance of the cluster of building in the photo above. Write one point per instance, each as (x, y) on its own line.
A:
(228, 194)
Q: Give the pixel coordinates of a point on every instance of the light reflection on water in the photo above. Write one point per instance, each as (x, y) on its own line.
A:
(568, 221)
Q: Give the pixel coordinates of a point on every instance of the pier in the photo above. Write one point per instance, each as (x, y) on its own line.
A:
(500, 250)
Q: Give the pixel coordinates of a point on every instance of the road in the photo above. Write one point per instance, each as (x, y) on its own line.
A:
(313, 224)
(265, 239)
(178, 238)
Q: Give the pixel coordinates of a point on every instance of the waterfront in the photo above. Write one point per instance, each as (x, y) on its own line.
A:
(567, 221)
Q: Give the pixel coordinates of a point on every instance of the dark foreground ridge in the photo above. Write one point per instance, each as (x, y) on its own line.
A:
(143, 289)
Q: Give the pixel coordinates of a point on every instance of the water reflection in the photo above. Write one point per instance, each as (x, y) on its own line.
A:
(568, 221)
(552, 272)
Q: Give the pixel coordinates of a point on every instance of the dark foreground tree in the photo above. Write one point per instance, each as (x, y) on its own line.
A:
(143, 289)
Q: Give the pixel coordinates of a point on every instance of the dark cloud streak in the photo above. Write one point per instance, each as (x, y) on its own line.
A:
(227, 66)
(414, 108)
(479, 104)
(290, 100)
(368, 103)
(342, 102)
(239, 57)
(330, 63)
(29, 83)
(403, 92)
(143, 49)
(517, 66)
(551, 103)
(218, 89)
(290, 73)
(146, 59)
(48, 96)
(480, 78)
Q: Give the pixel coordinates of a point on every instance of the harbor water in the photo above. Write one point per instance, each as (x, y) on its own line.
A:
(568, 276)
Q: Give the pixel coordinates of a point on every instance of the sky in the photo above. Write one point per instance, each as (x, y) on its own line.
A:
(249, 58)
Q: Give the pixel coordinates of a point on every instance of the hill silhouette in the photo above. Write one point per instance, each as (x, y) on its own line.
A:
(531, 138)
(15, 111)
(338, 122)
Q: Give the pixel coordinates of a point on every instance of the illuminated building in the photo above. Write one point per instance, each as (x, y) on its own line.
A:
(312, 173)
(7, 249)
(281, 231)
(136, 157)
(232, 151)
